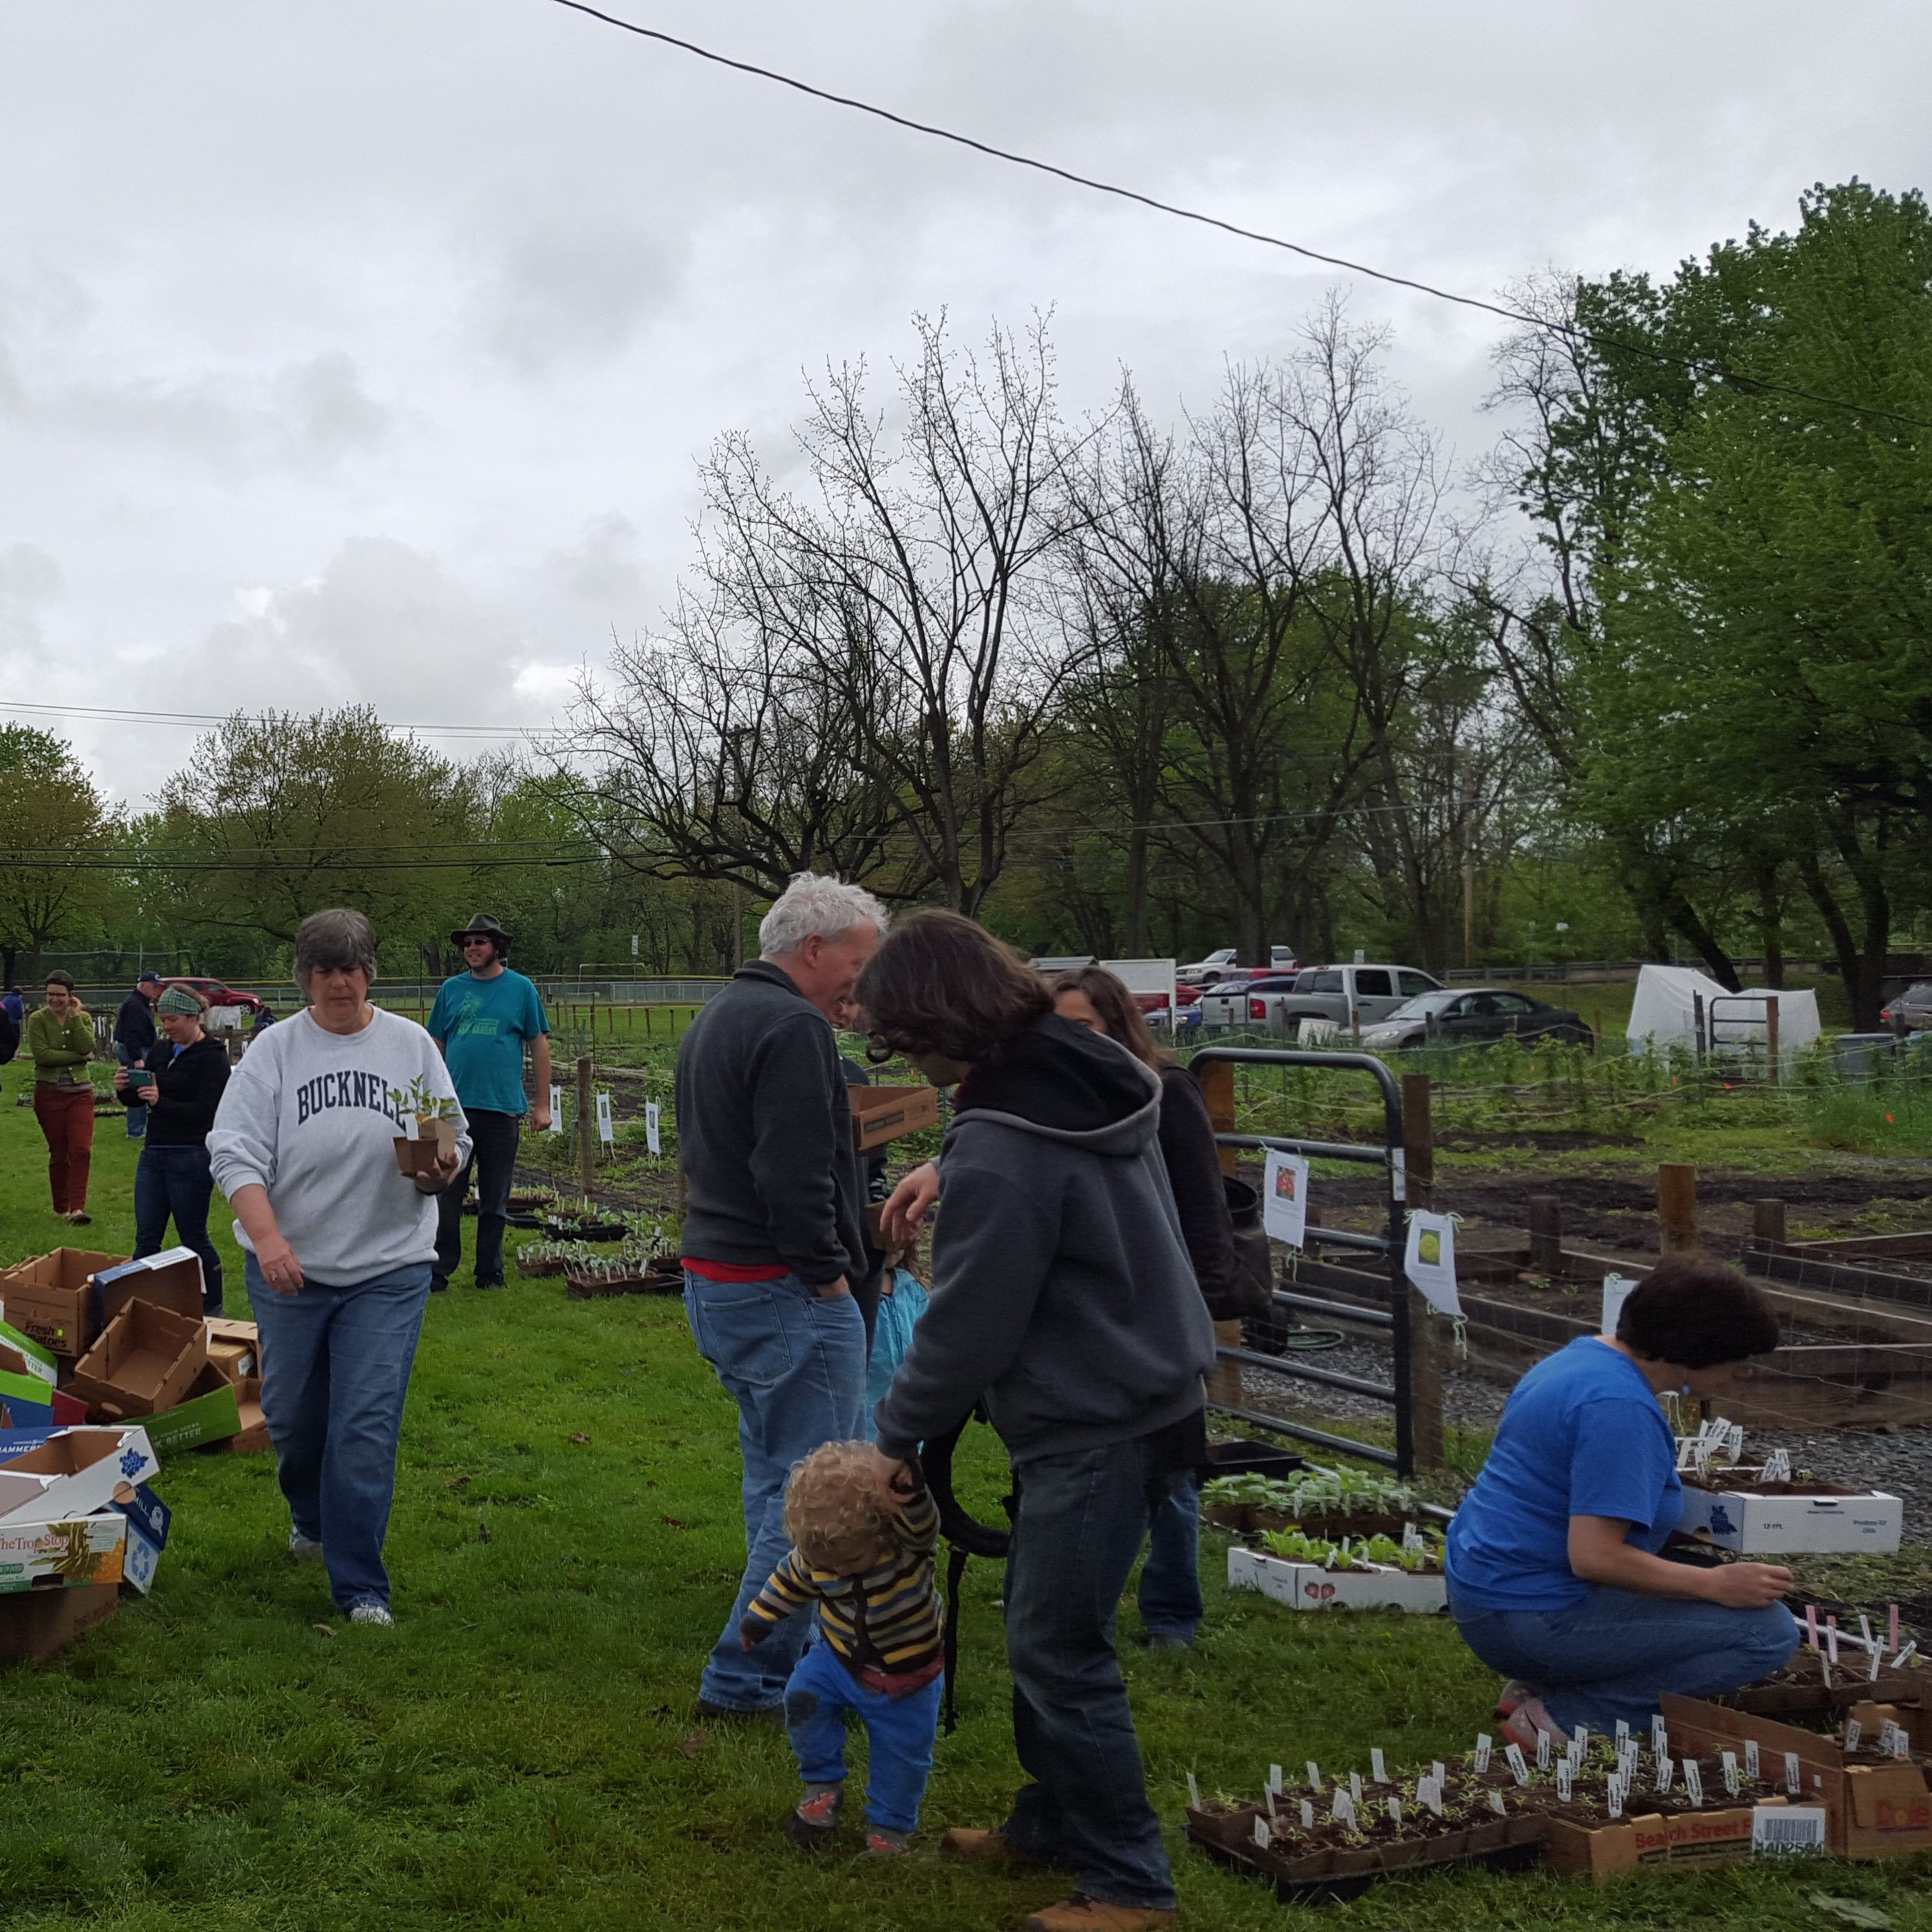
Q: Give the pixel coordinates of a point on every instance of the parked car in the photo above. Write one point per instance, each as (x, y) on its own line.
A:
(1474, 1016)
(1911, 1011)
(1186, 1000)
(216, 994)
(1348, 995)
(1231, 1003)
(1220, 965)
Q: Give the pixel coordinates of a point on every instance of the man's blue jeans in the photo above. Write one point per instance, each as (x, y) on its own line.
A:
(1612, 1654)
(137, 1114)
(1079, 1529)
(795, 1362)
(176, 1180)
(335, 1367)
(1170, 1592)
(899, 1732)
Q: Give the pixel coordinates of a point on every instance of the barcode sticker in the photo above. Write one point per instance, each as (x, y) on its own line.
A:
(1779, 1831)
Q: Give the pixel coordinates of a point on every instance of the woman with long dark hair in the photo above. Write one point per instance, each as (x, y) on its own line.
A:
(1063, 1294)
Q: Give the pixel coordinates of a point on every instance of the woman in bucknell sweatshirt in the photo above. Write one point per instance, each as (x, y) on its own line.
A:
(339, 1244)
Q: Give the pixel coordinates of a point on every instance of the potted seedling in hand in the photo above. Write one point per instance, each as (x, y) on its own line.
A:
(429, 1146)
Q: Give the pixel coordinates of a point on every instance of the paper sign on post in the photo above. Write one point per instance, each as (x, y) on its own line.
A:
(556, 1112)
(653, 1139)
(1285, 1197)
(606, 1131)
(1430, 1263)
(1616, 1291)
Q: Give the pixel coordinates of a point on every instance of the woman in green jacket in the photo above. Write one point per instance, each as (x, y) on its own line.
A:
(60, 1042)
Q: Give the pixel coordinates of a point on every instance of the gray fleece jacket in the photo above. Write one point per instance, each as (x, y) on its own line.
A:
(1062, 1290)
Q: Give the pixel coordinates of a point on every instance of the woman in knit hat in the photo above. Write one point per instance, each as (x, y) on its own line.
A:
(181, 1088)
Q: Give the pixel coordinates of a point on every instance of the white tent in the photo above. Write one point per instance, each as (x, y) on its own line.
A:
(1671, 1000)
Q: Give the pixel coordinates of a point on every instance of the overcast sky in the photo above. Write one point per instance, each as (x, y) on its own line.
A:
(363, 351)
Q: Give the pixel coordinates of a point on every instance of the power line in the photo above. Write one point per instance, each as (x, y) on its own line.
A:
(1722, 371)
(202, 720)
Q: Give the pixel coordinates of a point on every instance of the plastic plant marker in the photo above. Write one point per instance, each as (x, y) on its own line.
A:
(1483, 1747)
(1193, 1792)
(1901, 1743)
(1659, 1736)
(1732, 1782)
(1865, 1630)
(1665, 1771)
(1613, 1798)
(1580, 1738)
(1854, 1731)
(1513, 1753)
(1268, 1797)
(1542, 1749)
(1794, 1781)
(1899, 1660)
(1378, 1765)
(1439, 1771)
(1564, 1780)
(1811, 1626)
(1274, 1777)
(1307, 1816)
(1825, 1668)
(1694, 1781)
(1433, 1797)
(1314, 1775)
(1877, 1658)
(1262, 1833)
(1395, 1812)
(1355, 1787)
(1750, 1758)
(1832, 1641)
(1496, 1803)
(1623, 1731)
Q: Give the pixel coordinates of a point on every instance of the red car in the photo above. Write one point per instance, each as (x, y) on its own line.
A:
(216, 994)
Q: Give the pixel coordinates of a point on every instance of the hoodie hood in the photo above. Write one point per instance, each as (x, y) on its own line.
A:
(1066, 1083)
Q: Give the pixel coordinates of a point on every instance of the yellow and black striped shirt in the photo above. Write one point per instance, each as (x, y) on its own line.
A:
(882, 1623)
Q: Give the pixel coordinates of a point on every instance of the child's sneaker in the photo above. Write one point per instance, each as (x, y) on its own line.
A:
(883, 1843)
(816, 1817)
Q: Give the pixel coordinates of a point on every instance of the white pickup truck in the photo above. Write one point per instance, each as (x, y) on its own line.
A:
(1348, 997)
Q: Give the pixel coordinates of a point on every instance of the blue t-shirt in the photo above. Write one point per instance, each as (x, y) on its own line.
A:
(1582, 1434)
(482, 1026)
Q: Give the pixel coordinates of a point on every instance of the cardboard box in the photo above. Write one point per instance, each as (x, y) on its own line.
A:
(140, 1559)
(1308, 1586)
(53, 1299)
(73, 1473)
(146, 1511)
(26, 1403)
(883, 1114)
(434, 1139)
(234, 1348)
(1613, 1851)
(21, 1355)
(36, 1625)
(145, 1360)
(1756, 1524)
(252, 1437)
(171, 1279)
(209, 1411)
(1871, 1811)
(50, 1555)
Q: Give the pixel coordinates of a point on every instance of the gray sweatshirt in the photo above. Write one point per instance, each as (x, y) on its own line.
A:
(311, 1116)
(1062, 1290)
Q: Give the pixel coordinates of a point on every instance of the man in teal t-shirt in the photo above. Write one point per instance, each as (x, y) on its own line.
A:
(482, 1020)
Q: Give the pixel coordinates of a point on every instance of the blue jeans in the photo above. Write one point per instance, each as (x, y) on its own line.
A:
(1611, 1655)
(899, 1732)
(1170, 1592)
(176, 1180)
(335, 1367)
(492, 1158)
(1079, 1529)
(137, 1114)
(795, 1363)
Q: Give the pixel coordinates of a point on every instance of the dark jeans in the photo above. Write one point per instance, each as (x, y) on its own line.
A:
(335, 1367)
(493, 1158)
(1081, 1520)
(176, 1180)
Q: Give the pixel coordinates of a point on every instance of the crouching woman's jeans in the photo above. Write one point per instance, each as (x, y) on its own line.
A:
(1614, 1653)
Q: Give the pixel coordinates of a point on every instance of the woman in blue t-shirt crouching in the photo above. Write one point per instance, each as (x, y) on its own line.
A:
(1554, 1577)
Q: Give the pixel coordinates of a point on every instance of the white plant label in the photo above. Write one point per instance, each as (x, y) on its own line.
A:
(1513, 1753)
(1613, 1798)
(1395, 1812)
(1483, 1747)
(1193, 1792)
(1665, 1770)
(1580, 1738)
(1439, 1771)
(606, 1131)
(1285, 1197)
(653, 1135)
(1307, 1816)
(1794, 1782)
(1694, 1781)
(1542, 1751)
(1430, 1260)
(1750, 1758)
(1378, 1765)
(1877, 1658)
(1901, 1745)
(1262, 1834)
(1732, 1782)
(1497, 1805)
(1267, 1798)
(1274, 1777)
(1658, 1735)
(556, 1112)
(1854, 1731)
(1564, 1781)
(1623, 1731)
(1354, 1787)
(1314, 1775)
(1616, 1291)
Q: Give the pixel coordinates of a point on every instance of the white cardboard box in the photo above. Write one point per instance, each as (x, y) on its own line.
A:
(1307, 1586)
(88, 1549)
(73, 1473)
(1756, 1524)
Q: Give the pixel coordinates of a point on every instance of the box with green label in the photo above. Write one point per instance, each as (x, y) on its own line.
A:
(209, 1412)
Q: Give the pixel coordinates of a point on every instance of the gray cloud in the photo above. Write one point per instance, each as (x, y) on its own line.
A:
(561, 297)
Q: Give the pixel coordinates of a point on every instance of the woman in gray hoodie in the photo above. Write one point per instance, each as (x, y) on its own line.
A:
(1063, 1294)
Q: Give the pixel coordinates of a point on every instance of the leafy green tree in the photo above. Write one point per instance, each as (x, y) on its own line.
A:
(50, 814)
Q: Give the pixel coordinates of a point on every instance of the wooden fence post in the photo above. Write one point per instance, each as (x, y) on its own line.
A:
(1770, 1038)
(1768, 1222)
(1425, 1350)
(586, 1122)
(1545, 1234)
(1217, 1089)
(1677, 1207)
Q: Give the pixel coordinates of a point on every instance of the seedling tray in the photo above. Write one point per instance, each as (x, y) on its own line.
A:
(583, 1231)
(590, 1284)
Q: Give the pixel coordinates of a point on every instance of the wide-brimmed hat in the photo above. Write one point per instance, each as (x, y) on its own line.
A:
(481, 925)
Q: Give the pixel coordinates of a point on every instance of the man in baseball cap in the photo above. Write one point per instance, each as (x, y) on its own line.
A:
(134, 1037)
(483, 1020)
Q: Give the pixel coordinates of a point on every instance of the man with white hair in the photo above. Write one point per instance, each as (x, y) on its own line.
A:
(774, 1233)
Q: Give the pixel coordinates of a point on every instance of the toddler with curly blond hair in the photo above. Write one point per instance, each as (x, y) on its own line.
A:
(868, 1567)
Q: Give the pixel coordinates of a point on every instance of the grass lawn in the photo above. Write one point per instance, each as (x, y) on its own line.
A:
(519, 1751)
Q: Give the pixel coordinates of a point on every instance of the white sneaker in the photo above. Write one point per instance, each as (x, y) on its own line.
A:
(373, 1612)
(303, 1548)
